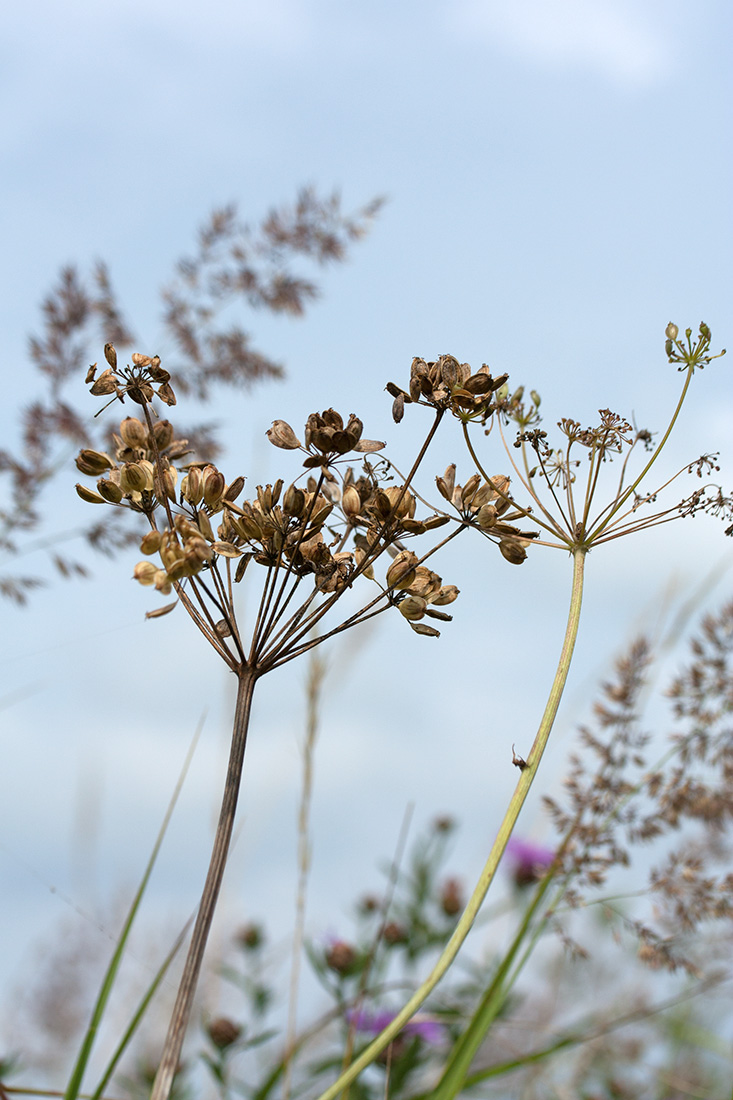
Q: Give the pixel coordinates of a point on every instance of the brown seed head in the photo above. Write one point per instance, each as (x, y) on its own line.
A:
(223, 1033)
(341, 957)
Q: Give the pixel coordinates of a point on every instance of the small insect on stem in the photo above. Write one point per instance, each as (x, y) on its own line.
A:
(518, 761)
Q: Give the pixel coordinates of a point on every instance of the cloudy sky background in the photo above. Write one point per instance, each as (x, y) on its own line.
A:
(558, 177)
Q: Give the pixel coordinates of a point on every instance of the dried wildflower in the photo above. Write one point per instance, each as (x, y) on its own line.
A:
(224, 1033)
(251, 937)
(341, 957)
(447, 384)
(452, 898)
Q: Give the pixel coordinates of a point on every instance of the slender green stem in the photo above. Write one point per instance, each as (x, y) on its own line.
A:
(487, 875)
(187, 988)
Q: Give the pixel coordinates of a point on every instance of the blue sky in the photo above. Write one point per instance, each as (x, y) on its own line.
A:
(558, 177)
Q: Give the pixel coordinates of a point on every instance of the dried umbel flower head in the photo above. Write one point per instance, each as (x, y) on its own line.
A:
(446, 384)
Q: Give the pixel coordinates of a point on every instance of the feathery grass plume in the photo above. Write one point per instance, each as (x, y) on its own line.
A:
(261, 267)
(307, 545)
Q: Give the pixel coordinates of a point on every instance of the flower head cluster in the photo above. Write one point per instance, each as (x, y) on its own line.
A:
(141, 381)
(447, 384)
(486, 505)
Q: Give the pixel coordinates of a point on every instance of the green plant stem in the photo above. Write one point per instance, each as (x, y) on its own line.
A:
(75, 1081)
(465, 1048)
(505, 830)
(187, 988)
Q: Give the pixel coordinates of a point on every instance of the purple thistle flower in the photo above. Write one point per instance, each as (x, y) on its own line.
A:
(428, 1028)
(528, 860)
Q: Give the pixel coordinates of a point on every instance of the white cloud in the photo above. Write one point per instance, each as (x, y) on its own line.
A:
(619, 40)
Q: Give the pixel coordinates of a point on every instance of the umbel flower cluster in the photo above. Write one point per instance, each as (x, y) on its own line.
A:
(331, 524)
(311, 539)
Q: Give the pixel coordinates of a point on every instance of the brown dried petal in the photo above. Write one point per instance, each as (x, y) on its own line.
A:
(351, 501)
(142, 393)
(487, 516)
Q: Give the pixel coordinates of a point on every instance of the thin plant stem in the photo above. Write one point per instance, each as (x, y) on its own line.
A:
(628, 493)
(524, 784)
(315, 686)
(187, 988)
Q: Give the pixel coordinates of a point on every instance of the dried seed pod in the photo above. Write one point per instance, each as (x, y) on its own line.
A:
(282, 435)
(192, 486)
(214, 486)
(426, 584)
(163, 431)
(105, 384)
(166, 394)
(401, 572)
(487, 516)
(513, 551)
(133, 432)
(145, 572)
(93, 463)
(351, 502)
(469, 490)
(89, 495)
(150, 542)
(226, 549)
(447, 483)
(110, 490)
(205, 525)
(447, 594)
(294, 502)
(413, 607)
(133, 478)
(234, 489)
